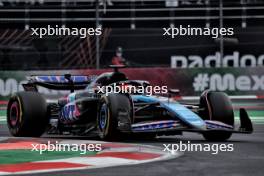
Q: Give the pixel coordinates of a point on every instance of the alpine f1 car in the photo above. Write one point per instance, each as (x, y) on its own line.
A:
(86, 111)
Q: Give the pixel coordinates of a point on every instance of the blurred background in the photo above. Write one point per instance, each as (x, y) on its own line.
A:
(133, 35)
(134, 25)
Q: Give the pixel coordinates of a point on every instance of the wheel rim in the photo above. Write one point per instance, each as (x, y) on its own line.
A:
(14, 114)
(103, 116)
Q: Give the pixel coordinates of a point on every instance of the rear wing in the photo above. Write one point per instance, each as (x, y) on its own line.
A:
(60, 82)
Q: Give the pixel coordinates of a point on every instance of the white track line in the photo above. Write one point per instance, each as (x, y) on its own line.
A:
(94, 161)
(2, 118)
(233, 97)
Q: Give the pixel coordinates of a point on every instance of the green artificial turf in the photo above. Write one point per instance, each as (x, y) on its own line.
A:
(21, 156)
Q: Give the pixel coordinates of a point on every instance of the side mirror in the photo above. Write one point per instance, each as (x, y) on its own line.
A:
(174, 91)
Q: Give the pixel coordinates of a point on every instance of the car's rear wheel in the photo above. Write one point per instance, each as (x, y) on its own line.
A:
(27, 114)
(217, 107)
(110, 108)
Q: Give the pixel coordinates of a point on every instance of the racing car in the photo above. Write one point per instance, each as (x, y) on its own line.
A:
(87, 111)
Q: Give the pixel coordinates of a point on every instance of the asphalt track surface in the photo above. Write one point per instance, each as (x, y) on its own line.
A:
(246, 159)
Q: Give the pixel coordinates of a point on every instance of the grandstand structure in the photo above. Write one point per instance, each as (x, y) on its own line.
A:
(136, 25)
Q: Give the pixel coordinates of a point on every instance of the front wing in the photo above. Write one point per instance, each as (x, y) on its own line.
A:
(210, 125)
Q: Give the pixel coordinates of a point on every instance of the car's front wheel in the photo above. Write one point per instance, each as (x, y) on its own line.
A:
(217, 107)
(110, 108)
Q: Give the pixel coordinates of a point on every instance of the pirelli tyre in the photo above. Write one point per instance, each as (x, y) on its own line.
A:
(110, 108)
(217, 106)
(27, 114)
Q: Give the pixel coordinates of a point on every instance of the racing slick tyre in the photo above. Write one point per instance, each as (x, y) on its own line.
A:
(112, 107)
(27, 114)
(218, 107)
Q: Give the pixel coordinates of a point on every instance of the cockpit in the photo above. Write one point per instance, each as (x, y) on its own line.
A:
(108, 78)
